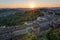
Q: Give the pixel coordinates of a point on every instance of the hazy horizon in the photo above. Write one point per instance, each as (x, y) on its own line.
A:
(29, 3)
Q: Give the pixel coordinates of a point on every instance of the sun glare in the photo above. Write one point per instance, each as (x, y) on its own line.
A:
(32, 5)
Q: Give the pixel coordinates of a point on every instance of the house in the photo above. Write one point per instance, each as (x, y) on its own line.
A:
(41, 19)
(56, 24)
(34, 30)
(29, 23)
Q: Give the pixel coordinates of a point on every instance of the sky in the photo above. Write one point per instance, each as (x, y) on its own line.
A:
(27, 3)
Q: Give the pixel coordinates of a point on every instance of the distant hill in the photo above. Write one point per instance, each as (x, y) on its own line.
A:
(17, 17)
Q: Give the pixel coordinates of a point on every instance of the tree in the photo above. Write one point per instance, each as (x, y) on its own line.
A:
(53, 35)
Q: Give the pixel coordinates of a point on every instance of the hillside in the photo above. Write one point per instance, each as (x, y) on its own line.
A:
(19, 17)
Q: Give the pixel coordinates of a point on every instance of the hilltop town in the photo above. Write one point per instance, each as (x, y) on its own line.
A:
(16, 22)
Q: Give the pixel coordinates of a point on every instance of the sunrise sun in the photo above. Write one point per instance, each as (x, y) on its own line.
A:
(32, 5)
